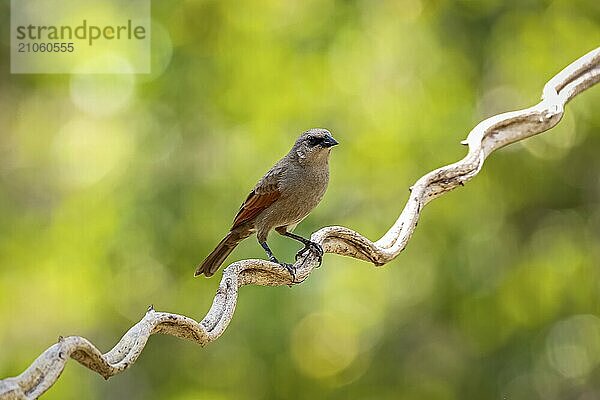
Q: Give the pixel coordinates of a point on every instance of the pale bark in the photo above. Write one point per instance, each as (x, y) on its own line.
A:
(488, 136)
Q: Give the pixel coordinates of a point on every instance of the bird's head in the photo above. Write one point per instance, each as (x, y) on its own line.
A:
(314, 145)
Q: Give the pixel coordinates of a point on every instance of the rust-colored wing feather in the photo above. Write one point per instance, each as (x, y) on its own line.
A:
(265, 193)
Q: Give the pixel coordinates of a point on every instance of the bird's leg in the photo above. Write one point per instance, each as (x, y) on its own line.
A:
(273, 259)
(308, 244)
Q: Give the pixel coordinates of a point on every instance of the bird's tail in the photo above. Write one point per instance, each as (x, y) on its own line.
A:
(214, 260)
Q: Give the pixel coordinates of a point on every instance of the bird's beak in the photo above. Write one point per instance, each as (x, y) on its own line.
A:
(329, 141)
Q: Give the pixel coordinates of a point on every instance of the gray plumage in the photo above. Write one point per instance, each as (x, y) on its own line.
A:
(282, 198)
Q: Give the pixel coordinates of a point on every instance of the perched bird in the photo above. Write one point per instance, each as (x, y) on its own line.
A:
(280, 200)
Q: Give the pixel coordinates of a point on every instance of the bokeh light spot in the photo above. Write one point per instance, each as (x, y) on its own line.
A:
(323, 346)
(573, 345)
(87, 151)
(103, 95)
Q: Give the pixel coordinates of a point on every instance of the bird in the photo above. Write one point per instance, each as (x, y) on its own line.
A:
(281, 199)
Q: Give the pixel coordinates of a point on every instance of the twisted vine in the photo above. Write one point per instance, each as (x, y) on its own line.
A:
(488, 136)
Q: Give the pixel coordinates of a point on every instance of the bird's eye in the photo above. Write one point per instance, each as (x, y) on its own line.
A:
(313, 141)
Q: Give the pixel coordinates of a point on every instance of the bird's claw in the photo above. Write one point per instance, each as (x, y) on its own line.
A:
(311, 246)
(291, 270)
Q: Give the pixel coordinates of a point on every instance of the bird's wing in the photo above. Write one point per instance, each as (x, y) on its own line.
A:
(265, 193)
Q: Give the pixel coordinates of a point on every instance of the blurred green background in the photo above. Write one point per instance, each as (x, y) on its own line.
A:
(112, 189)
